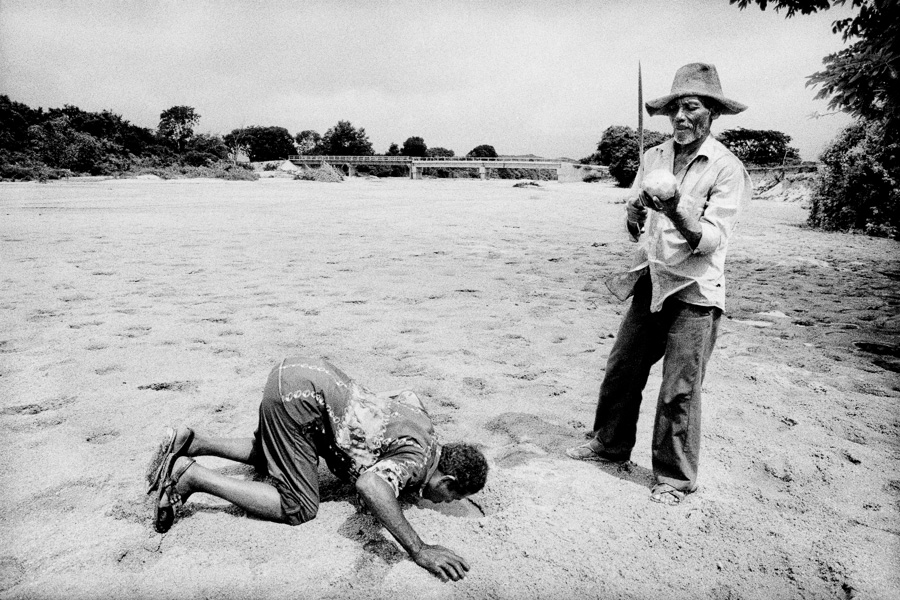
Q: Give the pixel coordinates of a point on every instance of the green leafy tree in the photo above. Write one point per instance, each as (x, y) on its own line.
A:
(15, 119)
(345, 140)
(864, 78)
(205, 149)
(483, 151)
(619, 148)
(393, 150)
(236, 142)
(859, 187)
(177, 124)
(60, 146)
(262, 143)
(760, 146)
(439, 152)
(414, 146)
(309, 142)
(120, 137)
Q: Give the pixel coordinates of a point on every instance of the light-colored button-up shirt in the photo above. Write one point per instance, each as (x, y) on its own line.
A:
(715, 187)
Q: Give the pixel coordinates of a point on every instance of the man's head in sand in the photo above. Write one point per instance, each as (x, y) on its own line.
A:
(462, 471)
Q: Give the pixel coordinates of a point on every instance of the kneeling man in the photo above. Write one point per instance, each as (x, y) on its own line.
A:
(385, 442)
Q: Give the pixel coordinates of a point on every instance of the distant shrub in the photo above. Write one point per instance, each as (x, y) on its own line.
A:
(233, 172)
(538, 174)
(22, 166)
(859, 188)
(38, 172)
(220, 170)
(595, 176)
(325, 173)
(194, 158)
(439, 152)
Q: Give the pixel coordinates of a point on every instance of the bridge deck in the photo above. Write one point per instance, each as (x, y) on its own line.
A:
(457, 162)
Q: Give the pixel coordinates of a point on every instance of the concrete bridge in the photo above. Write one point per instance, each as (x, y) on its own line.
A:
(565, 170)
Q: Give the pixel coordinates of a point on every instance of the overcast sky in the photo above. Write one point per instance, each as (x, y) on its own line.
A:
(543, 77)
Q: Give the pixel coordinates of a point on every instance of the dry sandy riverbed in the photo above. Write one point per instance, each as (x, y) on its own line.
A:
(129, 305)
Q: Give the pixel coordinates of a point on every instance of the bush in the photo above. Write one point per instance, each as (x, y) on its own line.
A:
(859, 187)
(325, 173)
(23, 166)
(193, 158)
(538, 174)
(594, 177)
(220, 170)
(35, 172)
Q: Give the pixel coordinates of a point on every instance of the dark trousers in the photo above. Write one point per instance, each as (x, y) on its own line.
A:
(684, 334)
(285, 449)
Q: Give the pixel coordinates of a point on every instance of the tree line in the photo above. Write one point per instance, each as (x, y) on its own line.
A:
(619, 149)
(46, 144)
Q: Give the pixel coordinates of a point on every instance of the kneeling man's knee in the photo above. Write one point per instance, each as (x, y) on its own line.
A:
(299, 518)
(300, 514)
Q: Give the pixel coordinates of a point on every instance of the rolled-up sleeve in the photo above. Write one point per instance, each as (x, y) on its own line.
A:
(727, 197)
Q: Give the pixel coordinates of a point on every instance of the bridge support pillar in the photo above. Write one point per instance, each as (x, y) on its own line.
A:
(414, 172)
(351, 170)
(482, 172)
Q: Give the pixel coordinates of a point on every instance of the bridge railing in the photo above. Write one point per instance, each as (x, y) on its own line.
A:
(355, 158)
(477, 159)
(409, 159)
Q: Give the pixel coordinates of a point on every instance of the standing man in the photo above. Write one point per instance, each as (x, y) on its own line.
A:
(677, 281)
(383, 442)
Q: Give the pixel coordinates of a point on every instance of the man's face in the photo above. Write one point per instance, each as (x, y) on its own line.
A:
(690, 119)
(438, 491)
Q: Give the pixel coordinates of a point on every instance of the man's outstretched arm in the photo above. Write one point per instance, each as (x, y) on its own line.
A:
(379, 497)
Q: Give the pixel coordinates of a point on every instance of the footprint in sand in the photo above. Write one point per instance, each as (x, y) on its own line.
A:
(101, 436)
(12, 571)
(175, 386)
(37, 408)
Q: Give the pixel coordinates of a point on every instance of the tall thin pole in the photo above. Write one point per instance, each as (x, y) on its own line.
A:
(640, 117)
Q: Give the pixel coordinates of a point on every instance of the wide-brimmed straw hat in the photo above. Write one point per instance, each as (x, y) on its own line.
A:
(696, 79)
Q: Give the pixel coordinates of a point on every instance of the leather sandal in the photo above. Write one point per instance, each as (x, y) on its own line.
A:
(668, 495)
(169, 499)
(587, 453)
(174, 443)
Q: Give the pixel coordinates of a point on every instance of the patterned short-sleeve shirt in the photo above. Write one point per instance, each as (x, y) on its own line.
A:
(392, 437)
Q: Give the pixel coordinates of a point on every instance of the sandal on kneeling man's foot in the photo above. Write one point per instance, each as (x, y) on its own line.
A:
(175, 443)
(169, 499)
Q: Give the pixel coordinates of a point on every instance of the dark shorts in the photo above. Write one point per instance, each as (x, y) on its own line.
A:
(285, 446)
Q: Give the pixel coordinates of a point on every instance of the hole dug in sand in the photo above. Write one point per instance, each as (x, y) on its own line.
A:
(468, 508)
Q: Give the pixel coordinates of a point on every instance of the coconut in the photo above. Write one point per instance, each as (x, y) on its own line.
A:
(660, 183)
